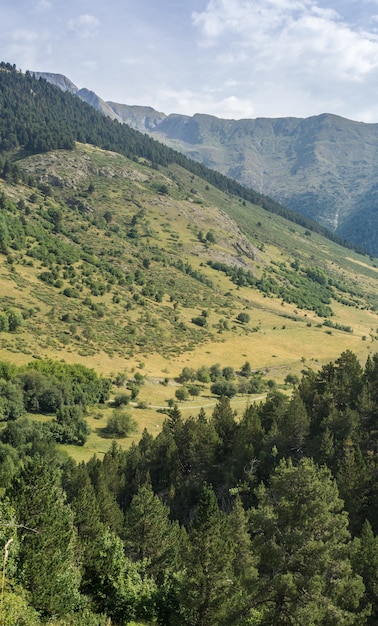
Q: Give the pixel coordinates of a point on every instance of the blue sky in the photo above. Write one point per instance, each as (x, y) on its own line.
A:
(229, 58)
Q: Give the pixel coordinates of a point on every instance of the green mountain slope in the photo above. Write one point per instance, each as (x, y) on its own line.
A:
(323, 167)
(108, 257)
(115, 257)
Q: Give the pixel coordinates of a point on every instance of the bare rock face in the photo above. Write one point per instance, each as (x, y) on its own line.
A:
(97, 103)
(144, 119)
(61, 81)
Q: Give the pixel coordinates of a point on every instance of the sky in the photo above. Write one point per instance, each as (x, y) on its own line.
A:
(229, 58)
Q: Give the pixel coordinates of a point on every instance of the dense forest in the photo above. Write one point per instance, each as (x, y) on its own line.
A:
(269, 517)
(38, 117)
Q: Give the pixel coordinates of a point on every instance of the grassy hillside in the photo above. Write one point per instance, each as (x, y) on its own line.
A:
(130, 270)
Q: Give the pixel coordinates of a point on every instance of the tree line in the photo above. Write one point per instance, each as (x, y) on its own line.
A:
(265, 518)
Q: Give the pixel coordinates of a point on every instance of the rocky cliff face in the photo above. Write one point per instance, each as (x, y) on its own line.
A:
(59, 80)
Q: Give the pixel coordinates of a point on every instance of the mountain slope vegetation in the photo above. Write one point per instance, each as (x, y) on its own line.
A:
(322, 166)
(118, 253)
(188, 390)
(81, 123)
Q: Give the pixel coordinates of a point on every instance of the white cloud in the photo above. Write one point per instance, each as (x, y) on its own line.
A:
(240, 58)
(286, 35)
(209, 102)
(84, 25)
(290, 57)
(43, 5)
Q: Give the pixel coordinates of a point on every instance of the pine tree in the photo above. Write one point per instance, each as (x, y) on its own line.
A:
(353, 480)
(149, 533)
(365, 561)
(86, 512)
(208, 580)
(295, 427)
(300, 533)
(48, 562)
(245, 588)
(110, 513)
(120, 587)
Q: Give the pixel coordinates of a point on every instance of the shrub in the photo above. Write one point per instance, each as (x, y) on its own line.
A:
(15, 319)
(4, 323)
(199, 321)
(121, 399)
(243, 318)
(120, 424)
(182, 393)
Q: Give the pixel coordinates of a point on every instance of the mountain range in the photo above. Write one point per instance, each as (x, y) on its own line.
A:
(175, 442)
(323, 167)
(114, 247)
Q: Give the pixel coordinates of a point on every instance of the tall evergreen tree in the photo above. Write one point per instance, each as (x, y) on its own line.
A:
(365, 561)
(48, 554)
(208, 580)
(150, 535)
(300, 533)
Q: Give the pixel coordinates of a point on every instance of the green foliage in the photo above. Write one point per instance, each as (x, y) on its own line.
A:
(78, 384)
(121, 399)
(243, 318)
(224, 388)
(269, 543)
(10, 320)
(210, 237)
(300, 533)
(186, 375)
(246, 370)
(203, 374)
(199, 321)
(4, 322)
(182, 393)
(70, 426)
(150, 536)
(120, 587)
(297, 287)
(120, 424)
(11, 401)
(48, 553)
(291, 379)
(208, 582)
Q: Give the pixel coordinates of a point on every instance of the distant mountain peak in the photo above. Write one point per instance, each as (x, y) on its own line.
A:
(322, 166)
(59, 80)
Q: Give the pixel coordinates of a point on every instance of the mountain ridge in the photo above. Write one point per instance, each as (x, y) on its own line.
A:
(322, 166)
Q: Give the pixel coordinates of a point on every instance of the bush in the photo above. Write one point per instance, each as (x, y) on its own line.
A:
(199, 321)
(243, 318)
(4, 323)
(70, 426)
(121, 399)
(182, 393)
(15, 319)
(120, 424)
(224, 388)
(292, 379)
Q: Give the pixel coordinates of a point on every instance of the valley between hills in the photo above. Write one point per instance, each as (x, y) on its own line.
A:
(188, 388)
(116, 273)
